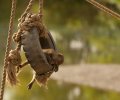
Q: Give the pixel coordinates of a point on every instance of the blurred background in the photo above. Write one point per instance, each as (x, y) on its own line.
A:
(90, 42)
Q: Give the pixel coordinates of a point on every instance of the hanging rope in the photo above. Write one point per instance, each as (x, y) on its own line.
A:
(7, 48)
(27, 10)
(17, 36)
(105, 9)
(41, 9)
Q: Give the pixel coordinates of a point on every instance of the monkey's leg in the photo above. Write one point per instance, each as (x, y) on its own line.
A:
(31, 82)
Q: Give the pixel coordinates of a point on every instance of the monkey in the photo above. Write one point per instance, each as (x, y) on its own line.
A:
(57, 58)
(54, 59)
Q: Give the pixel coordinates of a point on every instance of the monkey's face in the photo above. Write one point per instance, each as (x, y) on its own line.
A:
(58, 59)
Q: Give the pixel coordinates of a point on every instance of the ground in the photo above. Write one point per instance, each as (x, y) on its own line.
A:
(106, 77)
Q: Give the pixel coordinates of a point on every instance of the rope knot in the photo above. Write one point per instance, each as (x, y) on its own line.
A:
(30, 21)
(14, 59)
(17, 36)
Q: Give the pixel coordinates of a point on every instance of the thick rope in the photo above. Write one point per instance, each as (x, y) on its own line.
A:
(7, 48)
(14, 60)
(25, 20)
(105, 9)
(17, 35)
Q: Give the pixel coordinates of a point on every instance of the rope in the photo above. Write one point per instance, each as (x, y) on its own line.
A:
(26, 11)
(41, 9)
(14, 60)
(105, 9)
(7, 48)
(21, 20)
(17, 36)
(26, 21)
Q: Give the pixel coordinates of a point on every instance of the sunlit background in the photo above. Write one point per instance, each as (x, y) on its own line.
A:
(89, 40)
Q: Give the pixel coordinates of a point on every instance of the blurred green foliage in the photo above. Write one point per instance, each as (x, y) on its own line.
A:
(70, 20)
(76, 20)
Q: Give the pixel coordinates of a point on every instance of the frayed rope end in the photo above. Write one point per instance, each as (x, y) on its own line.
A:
(14, 60)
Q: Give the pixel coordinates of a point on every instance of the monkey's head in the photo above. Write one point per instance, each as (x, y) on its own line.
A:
(58, 59)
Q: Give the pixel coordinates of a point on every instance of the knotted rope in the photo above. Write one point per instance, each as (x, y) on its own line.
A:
(7, 49)
(26, 22)
(31, 20)
(9, 58)
(14, 58)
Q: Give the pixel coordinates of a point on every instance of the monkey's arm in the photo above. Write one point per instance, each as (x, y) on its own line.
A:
(46, 51)
(22, 65)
